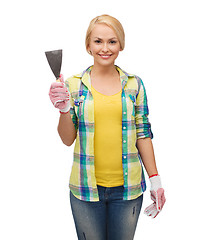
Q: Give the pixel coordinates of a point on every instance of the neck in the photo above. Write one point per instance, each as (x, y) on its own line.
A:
(100, 70)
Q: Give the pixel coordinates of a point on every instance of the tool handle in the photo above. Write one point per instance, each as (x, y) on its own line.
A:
(60, 79)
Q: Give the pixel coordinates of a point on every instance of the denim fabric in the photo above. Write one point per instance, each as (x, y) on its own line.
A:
(112, 218)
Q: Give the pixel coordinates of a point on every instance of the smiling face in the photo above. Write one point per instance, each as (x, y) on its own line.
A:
(104, 45)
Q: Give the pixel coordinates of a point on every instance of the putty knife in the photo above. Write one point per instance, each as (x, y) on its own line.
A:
(55, 60)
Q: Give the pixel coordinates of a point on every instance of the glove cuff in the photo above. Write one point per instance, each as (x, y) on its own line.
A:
(154, 175)
(66, 109)
(155, 183)
(63, 112)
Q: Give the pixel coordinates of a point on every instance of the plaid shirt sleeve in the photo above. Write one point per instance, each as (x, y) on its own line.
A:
(143, 126)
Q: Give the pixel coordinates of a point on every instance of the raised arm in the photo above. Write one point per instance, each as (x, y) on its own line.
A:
(61, 99)
(66, 129)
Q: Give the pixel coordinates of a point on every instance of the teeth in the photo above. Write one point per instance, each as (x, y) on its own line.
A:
(105, 55)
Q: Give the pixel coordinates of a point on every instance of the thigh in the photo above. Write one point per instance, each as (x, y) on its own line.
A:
(122, 218)
(89, 218)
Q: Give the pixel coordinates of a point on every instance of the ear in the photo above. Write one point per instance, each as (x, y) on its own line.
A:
(120, 47)
(88, 48)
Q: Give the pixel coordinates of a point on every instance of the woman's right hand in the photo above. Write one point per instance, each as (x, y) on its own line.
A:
(59, 95)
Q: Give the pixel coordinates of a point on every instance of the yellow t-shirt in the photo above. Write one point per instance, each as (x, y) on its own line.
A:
(108, 139)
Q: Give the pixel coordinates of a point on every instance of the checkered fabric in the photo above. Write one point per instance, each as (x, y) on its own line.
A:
(135, 125)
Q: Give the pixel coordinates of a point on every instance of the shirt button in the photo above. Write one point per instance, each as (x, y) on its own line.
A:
(124, 156)
(124, 127)
(124, 141)
(124, 112)
(126, 173)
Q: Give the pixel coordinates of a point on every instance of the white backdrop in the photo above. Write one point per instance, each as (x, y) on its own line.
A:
(166, 45)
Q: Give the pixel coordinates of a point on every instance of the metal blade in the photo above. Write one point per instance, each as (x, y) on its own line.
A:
(55, 60)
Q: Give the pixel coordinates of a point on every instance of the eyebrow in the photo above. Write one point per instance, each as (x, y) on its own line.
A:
(101, 38)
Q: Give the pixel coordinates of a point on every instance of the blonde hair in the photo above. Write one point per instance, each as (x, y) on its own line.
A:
(112, 23)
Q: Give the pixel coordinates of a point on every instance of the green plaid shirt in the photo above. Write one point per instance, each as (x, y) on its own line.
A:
(135, 125)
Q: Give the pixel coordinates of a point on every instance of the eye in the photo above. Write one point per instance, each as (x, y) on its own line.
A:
(113, 42)
(97, 41)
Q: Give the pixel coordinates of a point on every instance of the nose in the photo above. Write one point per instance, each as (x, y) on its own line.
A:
(105, 47)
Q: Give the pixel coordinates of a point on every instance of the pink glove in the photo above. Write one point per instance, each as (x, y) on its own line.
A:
(59, 95)
(157, 195)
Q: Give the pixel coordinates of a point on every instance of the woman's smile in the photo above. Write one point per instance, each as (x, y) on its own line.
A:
(105, 56)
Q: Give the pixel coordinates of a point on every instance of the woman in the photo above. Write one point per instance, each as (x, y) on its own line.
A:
(105, 110)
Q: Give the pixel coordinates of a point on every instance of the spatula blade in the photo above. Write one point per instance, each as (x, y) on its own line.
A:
(55, 60)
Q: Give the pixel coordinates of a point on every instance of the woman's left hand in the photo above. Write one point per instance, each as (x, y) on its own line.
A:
(158, 197)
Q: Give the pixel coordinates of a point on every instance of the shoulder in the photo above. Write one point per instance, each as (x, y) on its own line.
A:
(133, 80)
(74, 78)
(138, 80)
(73, 82)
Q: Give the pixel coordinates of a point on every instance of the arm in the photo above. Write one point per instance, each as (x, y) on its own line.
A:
(145, 147)
(146, 151)
(66, 129)
(144, 133)
(60, 97)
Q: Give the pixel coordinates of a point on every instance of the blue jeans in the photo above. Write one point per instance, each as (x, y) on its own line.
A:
(112, 218)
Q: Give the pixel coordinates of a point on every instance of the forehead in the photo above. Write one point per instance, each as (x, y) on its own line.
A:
(102, 31)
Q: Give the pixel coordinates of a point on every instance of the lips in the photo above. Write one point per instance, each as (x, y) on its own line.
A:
(105, 56)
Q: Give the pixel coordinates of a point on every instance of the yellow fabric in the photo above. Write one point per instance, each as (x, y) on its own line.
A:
(108, 139)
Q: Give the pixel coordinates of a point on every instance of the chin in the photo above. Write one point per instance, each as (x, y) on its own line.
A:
(105, 62)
